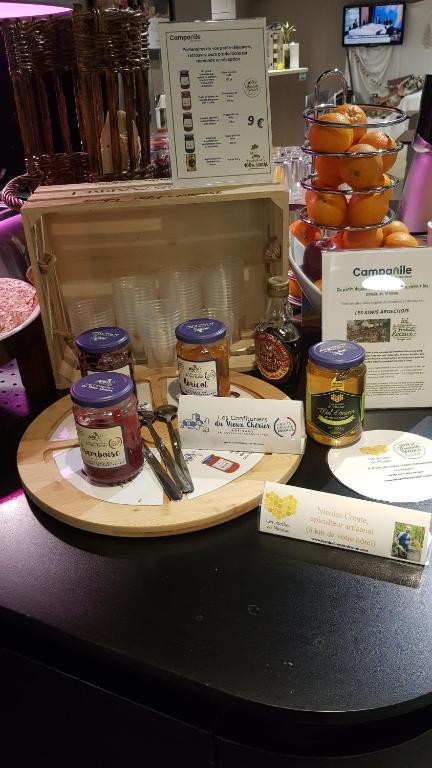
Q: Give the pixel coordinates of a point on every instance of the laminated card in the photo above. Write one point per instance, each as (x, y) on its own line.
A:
(217, 100)
(381, 299)
(326, 518)
(241, 424)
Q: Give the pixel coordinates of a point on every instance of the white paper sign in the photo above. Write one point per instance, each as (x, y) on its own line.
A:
(217, 98)
(339, 521)
(225, 423)
(386, 465)
(382, 299)
(142, 490)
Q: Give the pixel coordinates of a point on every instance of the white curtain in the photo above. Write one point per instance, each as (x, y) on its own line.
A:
(373, 66)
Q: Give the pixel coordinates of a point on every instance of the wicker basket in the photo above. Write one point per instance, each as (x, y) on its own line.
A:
(44, 75)
(80, 85)
(113, 59)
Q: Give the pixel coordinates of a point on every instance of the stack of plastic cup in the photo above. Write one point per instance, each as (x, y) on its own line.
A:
(182, 288)
(85, 314)
(131, 295)
(226, 317)
(158, 331)
(224, 287)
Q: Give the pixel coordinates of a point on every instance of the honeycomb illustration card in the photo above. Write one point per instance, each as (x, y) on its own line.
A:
(338, 521)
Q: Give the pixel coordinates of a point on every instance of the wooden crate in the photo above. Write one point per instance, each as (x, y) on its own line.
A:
(80, 237)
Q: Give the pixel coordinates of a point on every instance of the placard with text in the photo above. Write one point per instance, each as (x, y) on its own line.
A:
(217, 97)
(339, 521)
(381, 299)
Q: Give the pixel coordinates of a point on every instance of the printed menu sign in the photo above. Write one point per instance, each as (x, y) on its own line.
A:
(381, 299)
(217, 98)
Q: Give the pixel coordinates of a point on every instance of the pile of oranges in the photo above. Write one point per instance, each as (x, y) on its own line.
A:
(361, 170)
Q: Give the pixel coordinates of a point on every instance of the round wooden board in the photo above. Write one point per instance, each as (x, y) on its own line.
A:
(47, 488)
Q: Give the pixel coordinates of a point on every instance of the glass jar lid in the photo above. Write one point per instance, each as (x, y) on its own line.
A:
(337, 354)
(104, 339)
(201, 329)
(100, 390)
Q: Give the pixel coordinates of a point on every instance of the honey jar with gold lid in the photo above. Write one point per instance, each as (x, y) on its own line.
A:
(335, 386)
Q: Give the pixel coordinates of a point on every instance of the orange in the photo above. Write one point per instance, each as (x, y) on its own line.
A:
(385, 181)
(328, 171)
(316, 182)
(364, 210)
(318, 284)
(330, 138)
(304, 232)
(361, 172)
(394, 226)
(370, 238)
(400, 240)
(381, 140)
(336, 241)
(355, 115)
(326, 209)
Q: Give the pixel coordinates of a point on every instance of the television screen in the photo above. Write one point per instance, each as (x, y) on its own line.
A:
(378, 24)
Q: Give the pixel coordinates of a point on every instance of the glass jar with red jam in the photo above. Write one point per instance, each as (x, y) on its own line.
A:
(104, 349)
(109, 433)
(202, 357)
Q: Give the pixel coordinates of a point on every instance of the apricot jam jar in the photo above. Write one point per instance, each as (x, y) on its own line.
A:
(335, 385)
(109, 433)
(202, 357)
(104, 349)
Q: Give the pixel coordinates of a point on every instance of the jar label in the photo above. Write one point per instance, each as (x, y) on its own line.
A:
(273, 359)
(124, 369)
(198, 378)
(103, 447)
(336, 413)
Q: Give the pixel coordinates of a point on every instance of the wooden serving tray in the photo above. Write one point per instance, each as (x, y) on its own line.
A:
(47, 488)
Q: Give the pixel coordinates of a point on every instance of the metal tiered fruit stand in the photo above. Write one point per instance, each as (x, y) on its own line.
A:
(380, 117)
(390, 116)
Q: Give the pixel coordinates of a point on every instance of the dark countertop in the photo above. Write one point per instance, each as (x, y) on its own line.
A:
(226, 627)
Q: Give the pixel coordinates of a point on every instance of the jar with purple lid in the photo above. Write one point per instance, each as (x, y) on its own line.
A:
(202, 357)
(109, 433)
(104, 349)
(335, 387)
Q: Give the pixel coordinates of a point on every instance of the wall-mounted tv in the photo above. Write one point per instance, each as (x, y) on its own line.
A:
(378, 24)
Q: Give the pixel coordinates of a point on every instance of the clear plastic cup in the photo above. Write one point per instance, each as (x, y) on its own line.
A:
(85, 314)
(297, 166)
(182, 288)
(223, 285)
(157, 328)
(130, 295)
(226, 317)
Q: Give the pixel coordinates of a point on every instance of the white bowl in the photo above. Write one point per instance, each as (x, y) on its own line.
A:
(310, 290)
(33, 315)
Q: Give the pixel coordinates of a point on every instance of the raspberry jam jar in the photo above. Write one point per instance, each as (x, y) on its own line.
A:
(109, 433)
(335, 386)
(202, 357)
(104, 349)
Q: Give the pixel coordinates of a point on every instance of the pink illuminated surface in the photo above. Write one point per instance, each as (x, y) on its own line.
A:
(21, 10)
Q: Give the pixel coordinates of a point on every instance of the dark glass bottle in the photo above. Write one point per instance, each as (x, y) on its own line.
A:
(277, 341)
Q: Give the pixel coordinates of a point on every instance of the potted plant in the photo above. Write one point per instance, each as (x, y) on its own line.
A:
(287, 31)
